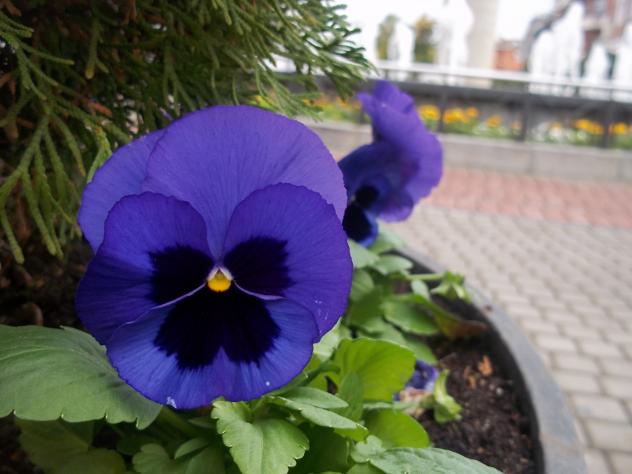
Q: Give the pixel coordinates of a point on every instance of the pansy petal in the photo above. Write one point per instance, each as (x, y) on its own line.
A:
(142, 358)
(121, 175)
(216, 157)
(316, 257)
(387, 93)
(154, 251)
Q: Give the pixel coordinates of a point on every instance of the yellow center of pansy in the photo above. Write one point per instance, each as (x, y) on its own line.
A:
(218, 281)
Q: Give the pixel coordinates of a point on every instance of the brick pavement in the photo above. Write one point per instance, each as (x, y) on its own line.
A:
(557, 256)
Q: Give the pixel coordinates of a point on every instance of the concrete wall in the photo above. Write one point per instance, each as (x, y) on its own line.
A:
(545, 160)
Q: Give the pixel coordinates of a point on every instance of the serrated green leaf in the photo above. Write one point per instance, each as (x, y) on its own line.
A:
(388, 264)
(327, 452)
(131, 443)
(452, 287)
(259, 446)
(315, 397)
(383, 368)
(191, 446)
(210, 460)
(73, 377)
(401, 311)
(362, 285)
(366, 313)
(397, 429)
(65, 448)
(154, 459)
(323, 417)
(361, 256)
(368, 449)
(428, 460)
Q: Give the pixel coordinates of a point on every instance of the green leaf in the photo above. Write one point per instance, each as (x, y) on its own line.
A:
(444, 406)
(350, 390)
(452, 287)
(449, 324)
(397, 429)
(210, 460)
(55, 373)
(315, 397)
(388, 264)
(428, 460)
(393, 334)
(191, 446)
(154, 459)
(401, 311)
(367, 313)
(361, 256)
(65, 448)
(382, 367)
(322, 417)
(131, 443)
(420, 288)
(330, 341)
(327, 452)
(386, 241)
(95, 461)
(258, 446)
(364, 469)
(362, 285)
(365, 451)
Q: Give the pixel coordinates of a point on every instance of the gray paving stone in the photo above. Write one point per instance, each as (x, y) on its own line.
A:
(598, 349)
(618, 387)
(621, 462)
(555, 343)
(576, 362)
(610, 436)
(576, 382)
(599, 407)
(596, 462)
(617, 367)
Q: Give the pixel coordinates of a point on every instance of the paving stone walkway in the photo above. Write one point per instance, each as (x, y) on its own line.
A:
(557, 256)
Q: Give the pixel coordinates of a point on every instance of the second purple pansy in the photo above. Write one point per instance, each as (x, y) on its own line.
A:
(220, 256)
(388, 177)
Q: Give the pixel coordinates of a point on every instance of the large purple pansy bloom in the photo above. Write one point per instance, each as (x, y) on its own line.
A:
(220, 256)
(388, 177)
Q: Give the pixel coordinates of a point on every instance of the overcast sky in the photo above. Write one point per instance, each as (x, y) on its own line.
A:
(513, 15)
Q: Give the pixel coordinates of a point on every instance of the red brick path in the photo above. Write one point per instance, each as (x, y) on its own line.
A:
(597, 203)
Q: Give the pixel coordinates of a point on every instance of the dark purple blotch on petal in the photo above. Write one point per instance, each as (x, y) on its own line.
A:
(359, 224)
(259, 265)
(177, 271)
(199, 326)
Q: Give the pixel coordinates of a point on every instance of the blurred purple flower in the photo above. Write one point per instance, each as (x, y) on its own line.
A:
(220, 256)
(388, 177)
(424, 377)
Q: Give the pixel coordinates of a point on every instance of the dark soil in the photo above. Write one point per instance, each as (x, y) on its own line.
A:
(493, 429)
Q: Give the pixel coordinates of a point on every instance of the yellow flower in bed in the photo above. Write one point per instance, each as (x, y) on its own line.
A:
(429, 112)
(555, 127)
(494, 121)
(455, 116)
(583, 124)
(619, 128)
(471, 112)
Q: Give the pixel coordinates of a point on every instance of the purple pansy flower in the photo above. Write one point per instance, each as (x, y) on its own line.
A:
(424, 377)
(220, 256)
(388, 177)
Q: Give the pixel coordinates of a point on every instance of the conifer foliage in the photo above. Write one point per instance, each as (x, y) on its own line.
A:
(78, 78)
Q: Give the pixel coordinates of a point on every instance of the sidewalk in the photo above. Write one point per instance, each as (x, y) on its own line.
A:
(557, 256)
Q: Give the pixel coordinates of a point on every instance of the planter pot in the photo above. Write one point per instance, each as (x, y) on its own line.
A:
(557, 448)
